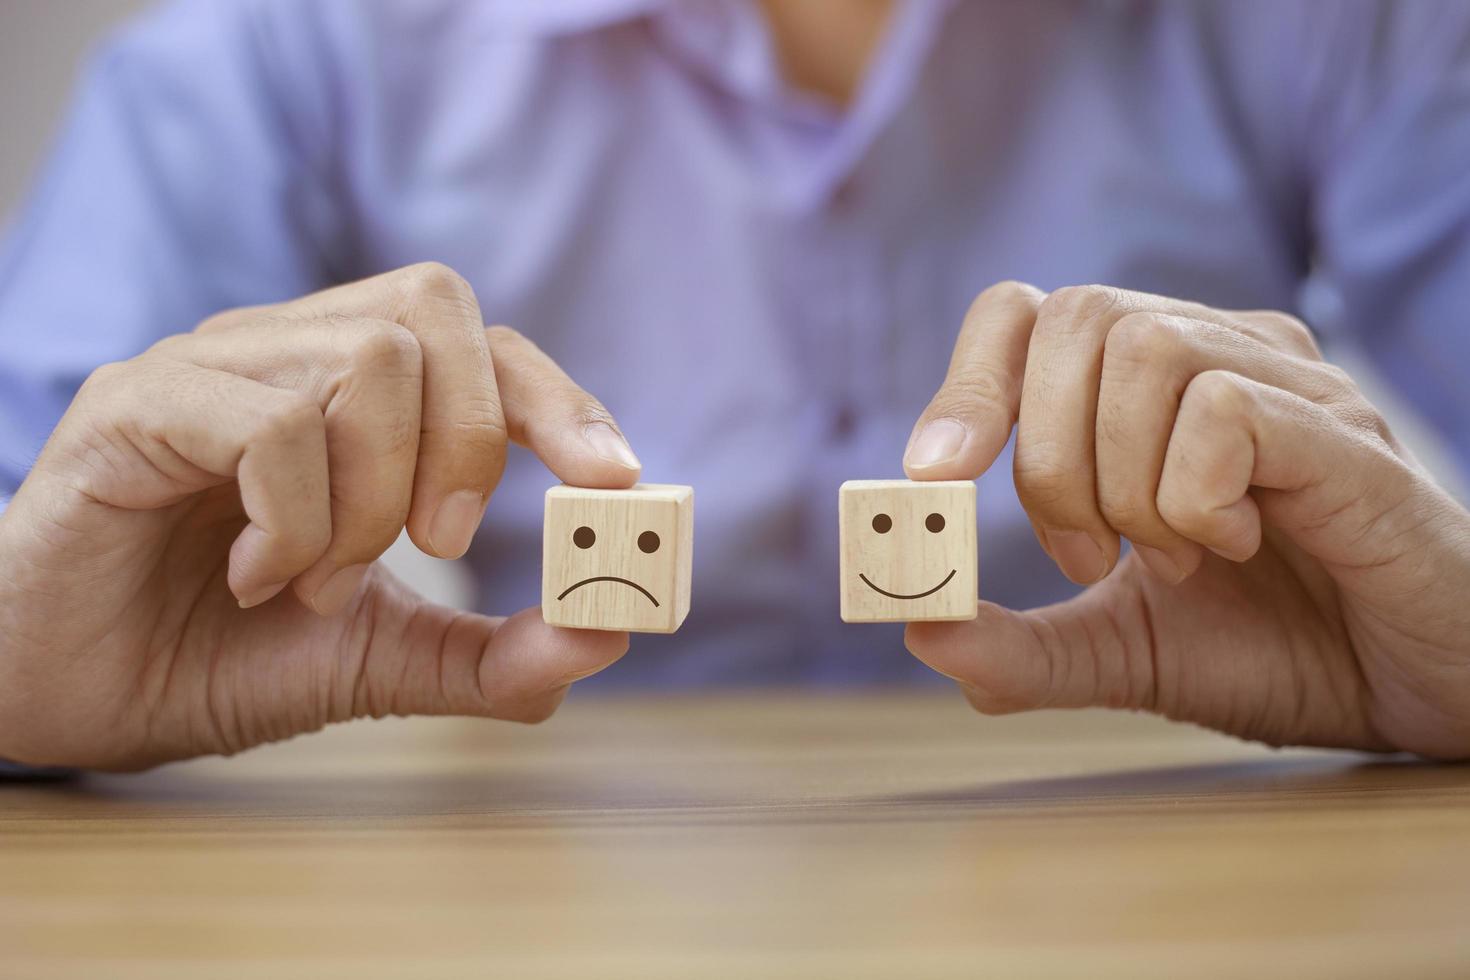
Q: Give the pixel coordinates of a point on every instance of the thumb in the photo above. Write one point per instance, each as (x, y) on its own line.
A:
(421, 658)
(1094, 649)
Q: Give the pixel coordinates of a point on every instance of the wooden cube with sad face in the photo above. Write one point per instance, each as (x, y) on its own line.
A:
(908, 550)
(617, 559)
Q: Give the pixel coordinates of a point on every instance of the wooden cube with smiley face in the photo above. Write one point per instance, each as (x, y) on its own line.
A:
(618, 559)
(908, 550)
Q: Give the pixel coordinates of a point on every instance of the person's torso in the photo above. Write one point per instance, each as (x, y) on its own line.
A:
(765, 291)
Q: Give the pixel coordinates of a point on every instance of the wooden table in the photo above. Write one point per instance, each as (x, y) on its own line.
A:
(755, 835)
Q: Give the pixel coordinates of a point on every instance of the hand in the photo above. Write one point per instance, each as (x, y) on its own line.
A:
(189, 567)
(1295, 576)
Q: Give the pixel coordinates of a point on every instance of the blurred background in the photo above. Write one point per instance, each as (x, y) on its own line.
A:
(42, 43)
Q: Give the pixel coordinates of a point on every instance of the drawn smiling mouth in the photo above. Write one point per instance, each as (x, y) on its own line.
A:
(613, 578)
(898, 595)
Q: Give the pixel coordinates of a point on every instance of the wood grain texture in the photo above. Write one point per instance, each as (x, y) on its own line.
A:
(598, 570)
(741, 836)
(900, 565)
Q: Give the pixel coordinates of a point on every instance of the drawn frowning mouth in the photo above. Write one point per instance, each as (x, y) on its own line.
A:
(897, 595)
(613, 578)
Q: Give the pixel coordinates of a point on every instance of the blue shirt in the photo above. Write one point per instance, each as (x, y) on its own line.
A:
(763, 288)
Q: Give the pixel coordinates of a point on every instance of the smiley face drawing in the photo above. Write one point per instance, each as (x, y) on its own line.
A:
(907, 551)
(935, 524)
(617, 559)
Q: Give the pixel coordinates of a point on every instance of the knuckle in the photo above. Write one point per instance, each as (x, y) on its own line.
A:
(473, 453)
(501, 334)
(1141, 338)
(1216, 395)
(1336, 384)
(1008, 293)
(108, 378)
(509, 346)
(384, 348)
(1044, 480)
(1075, 308)
(434, 277)
(1180, 502)
(1126, 510)
(288, 416)
(174, 346)
(435, 282)
(1360, 414)
(218, 321)
(1339, 393)
(479, 427)
(1338, 376)
(1179, 509)
(227, 319)
(1289, 331)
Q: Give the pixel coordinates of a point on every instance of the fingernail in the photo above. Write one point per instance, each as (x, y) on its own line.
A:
(609, 445)
(337, 590)
(1080, 558)
(937, 442)
(1160, 564)
(455, 523)
(260, 595)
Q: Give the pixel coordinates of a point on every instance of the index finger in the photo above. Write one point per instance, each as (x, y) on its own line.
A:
(483, 386)
(462, 437)
(550, 414)
(969, 419)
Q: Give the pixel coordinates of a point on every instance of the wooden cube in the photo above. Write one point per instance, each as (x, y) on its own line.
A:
(908, 550)
(617, 559)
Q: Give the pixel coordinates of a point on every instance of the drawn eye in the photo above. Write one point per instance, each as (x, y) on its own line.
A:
(648, 542)
(934, 522)
(584, 537)
(882, 523)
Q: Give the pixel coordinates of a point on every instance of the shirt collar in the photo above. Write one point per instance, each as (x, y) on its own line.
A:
(728, 41)
(550, 17)
(724, 38)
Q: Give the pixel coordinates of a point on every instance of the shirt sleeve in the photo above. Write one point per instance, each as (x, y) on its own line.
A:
(181, 185)
(1389, 157)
